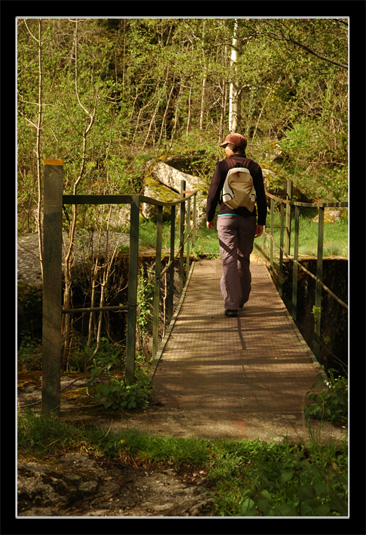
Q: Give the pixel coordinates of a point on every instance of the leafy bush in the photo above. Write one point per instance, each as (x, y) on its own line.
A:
(117, 394)
(331, 402)
(280, 479)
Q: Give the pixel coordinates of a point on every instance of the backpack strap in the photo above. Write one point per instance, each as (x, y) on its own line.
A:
(232, 163)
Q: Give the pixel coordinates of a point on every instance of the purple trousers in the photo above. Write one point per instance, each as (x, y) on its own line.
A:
(236, 237)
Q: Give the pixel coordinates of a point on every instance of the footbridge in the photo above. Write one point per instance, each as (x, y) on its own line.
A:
(248, 375)
(215, 376)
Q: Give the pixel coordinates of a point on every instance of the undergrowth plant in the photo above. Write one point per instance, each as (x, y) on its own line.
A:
(114, 392)
(244, 478)
(328, 400)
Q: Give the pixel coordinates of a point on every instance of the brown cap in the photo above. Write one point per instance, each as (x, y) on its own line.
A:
(235, 139)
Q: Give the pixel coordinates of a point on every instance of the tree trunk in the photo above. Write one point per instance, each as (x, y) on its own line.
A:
(189, 112)
(204, 79)
(69, 257)
(234, 93)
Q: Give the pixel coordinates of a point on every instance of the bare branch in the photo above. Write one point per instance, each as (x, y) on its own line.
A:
(30, 33)
(288, 38)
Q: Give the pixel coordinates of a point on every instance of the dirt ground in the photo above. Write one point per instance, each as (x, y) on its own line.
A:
(79, 484)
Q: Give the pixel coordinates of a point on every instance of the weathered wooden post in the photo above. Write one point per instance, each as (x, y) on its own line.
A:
(318, 287)
(271, 241)
(194, 219)
(171, 269)
(181, 235)
(188, 230)
(280, 275)
(288, 218)
(132, 290)
(157, 280)
(294, 264)
(52, 286)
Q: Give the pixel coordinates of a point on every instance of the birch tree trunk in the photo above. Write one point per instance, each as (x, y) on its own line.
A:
(38, 149)
(189, 112)
(38, 128)
(204, 79)
(69, 256)
(234, 92)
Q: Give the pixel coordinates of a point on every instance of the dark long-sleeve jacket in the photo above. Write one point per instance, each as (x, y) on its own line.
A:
(217, 183)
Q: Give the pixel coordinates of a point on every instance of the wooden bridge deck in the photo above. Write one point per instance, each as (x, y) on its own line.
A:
(233, 377)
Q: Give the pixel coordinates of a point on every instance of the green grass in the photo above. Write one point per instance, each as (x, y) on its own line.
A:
(244, 478)
(335, 237)
(206, 241)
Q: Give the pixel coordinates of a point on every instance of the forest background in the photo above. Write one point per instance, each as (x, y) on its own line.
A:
(107, 95)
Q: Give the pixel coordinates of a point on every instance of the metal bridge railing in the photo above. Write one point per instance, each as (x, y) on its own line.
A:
(54, 200)
(284, 248)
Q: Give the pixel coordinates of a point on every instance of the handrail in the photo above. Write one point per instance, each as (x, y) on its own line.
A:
(54, 200)
(342, 303)
(308, 204)
(285, 250)
(121, 199)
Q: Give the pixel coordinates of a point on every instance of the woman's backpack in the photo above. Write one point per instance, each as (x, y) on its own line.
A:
(238, 187)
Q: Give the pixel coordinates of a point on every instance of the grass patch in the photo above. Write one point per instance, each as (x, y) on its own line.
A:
(206, 241)
(335, 236)
(244, 478)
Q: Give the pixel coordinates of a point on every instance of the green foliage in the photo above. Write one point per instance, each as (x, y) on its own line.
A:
(335, 236)
(40, 435)
(117, 394)
(279, 479)
(29, 353)
(244, 478)
(158, 84)
(109, 358)
(316, 161)
(328, 401)
(316, 312)
(145, 296)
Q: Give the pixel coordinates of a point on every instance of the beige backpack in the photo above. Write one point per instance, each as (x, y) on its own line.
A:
(238, 187)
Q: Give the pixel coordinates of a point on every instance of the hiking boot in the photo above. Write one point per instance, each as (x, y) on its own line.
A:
(231, 313)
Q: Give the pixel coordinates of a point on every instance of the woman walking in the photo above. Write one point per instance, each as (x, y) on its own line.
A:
(237, 227)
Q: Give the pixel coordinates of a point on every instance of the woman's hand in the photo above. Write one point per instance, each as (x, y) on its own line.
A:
(210, 224)
(258, 231)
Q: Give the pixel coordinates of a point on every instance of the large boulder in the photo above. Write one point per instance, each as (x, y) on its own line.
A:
(172, 177)
(163, 182)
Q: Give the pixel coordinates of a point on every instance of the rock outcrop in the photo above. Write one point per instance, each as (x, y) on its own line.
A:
(163, 183)
(75, 484)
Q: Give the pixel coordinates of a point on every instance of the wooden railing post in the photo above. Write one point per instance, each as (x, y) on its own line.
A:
(294, 264)
(181, 235)
(171, 269)
(318, 288)
(188, 230)
(132, 290)
(52, 286)
(280, 275)
(288, 218)
(157, 280)
(194, 219)
(271, 242)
